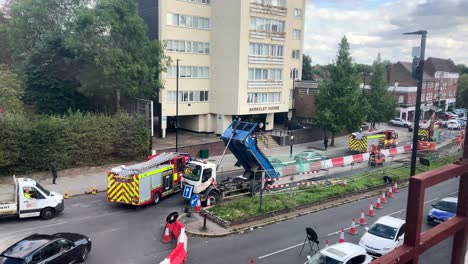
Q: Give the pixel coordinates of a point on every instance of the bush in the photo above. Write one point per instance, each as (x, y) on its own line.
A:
(29, 143)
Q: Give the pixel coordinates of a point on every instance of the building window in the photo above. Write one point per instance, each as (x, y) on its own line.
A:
(297, 13)
(265, 24)
(188, 46)
(256, 74)
(296, 34)
(188, 21)
(294, 73)
(296, 54)
(264, 98)
(188, 96)
(205, 2)
(195, 72)
(265, 50)
(280, 3)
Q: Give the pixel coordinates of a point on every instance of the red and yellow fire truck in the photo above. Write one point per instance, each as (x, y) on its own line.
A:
(146, 182)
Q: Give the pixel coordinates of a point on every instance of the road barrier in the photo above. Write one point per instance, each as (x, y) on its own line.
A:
(179, 254)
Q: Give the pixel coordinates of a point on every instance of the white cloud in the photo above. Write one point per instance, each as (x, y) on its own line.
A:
(371, 30)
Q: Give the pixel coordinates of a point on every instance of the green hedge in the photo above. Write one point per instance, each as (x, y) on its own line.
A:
(29, 143)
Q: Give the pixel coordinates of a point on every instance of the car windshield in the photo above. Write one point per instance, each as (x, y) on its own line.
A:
(192, 172)
(383, 231)
(446, 206)
(320, 258)
(42, 189)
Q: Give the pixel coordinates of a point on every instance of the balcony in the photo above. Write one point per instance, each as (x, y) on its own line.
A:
(268, 9)
(266, 60)
(265, 84)
(262, 34)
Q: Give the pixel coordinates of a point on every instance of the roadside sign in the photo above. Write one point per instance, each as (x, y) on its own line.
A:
(194, 200)
(187, 191)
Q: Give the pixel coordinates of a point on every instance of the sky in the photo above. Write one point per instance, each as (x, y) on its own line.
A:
(376, 26)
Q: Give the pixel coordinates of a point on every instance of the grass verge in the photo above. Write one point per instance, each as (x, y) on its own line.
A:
(246, 207)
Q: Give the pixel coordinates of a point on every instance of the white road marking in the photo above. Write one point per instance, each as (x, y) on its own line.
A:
(431, 200)
(402, 210)
(279, 251)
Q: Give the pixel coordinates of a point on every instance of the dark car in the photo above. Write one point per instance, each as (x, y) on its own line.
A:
(60, 248)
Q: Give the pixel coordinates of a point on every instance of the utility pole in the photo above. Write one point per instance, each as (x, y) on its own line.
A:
(420, 71)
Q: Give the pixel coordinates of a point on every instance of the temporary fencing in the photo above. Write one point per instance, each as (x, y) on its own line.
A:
(179, 254)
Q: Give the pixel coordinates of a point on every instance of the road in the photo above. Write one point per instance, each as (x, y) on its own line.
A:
(281, 243)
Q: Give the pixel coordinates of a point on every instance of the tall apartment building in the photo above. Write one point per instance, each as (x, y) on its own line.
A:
(236, 58)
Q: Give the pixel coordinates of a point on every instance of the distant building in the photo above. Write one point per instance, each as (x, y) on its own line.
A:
(304, 100)
(439, 86)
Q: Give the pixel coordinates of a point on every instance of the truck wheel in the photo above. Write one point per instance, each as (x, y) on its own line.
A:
(214, 198)
(156, 198)
(47, 213)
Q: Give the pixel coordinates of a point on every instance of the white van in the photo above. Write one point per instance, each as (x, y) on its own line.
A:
(30, 199)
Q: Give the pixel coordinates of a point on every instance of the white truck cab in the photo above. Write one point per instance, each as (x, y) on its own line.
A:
(30, 199)
(200, 175)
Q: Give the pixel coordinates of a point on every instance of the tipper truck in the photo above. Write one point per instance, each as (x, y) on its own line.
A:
(238, 138)
(29, 199)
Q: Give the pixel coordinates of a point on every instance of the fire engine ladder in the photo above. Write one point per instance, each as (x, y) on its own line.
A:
(161, 158)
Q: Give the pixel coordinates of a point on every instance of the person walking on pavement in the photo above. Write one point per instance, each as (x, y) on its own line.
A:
(54, 170)
(325, 143)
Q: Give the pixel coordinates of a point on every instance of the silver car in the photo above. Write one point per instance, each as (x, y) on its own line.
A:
(400, 122)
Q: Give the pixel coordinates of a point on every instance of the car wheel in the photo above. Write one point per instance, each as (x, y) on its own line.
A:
(405, 125)
(47, 213)
(84, 254)
(156, 198)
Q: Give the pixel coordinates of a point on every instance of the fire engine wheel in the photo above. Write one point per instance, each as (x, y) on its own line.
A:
(156, 198)
(47, 213)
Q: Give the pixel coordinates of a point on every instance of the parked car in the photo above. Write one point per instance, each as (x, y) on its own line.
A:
(453, 124)
(462, 122)
(308, 156)
(399, 122)
(51, 249)
(383, 236)
(341, 253)
(446, 115)
(442, 211)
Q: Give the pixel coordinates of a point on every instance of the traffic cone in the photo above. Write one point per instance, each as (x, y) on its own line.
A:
(362, 220)
(345, 183)
(383, 200)
(166, 237)
(198, 207)
(208, 203)
(352, 230)
(390, 192)
(371, 210)
(326, 243)
(66, 195)
(378, 205)
(252, 261)
(341, 236)
(395, 188)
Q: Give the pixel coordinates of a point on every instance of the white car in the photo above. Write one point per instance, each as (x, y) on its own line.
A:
(341, 253)
(453, 124)
(386, 234)
(400, 122)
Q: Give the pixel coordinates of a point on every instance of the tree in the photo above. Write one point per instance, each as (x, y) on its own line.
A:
(6, 57)
(462, 69)
(462, 91)
(306, 68)
(340, 104)
(363, 68)
(11, 90)
(383, 104)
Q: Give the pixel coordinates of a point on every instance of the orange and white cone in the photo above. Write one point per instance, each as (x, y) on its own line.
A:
(371, 210)
(208, 203)
(362, 220)
(395, 188)
(326, 243)
(383, 200)
(345, 183)
(166, 237)
(252, 261)
(390, 192)
(341, 236)
(353, 230)
(198, 207)
(378, 205)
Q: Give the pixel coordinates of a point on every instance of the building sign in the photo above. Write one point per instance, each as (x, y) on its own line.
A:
(263, 108)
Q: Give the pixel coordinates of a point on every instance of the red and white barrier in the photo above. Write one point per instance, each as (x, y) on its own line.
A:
(179, 254)
(308, 172)
(278, 186)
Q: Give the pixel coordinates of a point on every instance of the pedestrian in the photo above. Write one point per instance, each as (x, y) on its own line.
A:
(325, 143)
(54, 170)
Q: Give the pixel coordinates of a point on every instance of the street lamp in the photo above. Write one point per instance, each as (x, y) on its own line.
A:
(438, 91)
(293, 114)
(419, 71)
(177, 108)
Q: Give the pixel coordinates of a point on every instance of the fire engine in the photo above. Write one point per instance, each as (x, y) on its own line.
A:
(363, 141)
(147, 182)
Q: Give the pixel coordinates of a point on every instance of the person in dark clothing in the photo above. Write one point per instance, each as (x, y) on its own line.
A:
(325, 143)
(54, 170)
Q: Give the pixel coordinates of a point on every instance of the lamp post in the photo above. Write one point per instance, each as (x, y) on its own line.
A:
(293, 114)
(417, 115)
(177, 108)
(438, 91)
